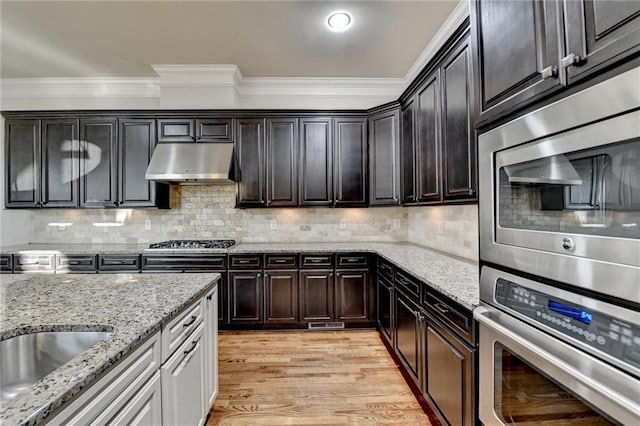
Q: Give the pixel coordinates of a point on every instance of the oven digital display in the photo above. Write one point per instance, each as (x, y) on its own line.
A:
(571, 312)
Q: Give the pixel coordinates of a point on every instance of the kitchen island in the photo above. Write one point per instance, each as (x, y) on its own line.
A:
(131, 307)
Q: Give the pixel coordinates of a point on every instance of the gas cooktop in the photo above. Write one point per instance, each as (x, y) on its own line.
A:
(193, 244)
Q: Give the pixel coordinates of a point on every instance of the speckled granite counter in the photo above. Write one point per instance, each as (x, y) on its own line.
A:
(131, 307)
(454, 277)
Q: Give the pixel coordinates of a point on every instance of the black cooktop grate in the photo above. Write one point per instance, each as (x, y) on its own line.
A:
(193, 244)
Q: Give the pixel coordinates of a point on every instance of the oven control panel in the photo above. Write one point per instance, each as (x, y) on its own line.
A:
(605, 333)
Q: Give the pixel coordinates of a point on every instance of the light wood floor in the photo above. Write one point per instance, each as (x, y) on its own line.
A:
(311, 378)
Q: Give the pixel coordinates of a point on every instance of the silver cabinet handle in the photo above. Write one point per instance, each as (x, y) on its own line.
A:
(569, 60)
(441, 308)
(548, 72)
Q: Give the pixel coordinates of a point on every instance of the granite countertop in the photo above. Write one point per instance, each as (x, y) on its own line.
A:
(131, 306)
(454, 277)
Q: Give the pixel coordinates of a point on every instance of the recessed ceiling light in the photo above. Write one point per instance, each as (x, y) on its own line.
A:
(339, 21)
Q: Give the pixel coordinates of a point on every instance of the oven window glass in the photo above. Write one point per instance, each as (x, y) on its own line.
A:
(525, 396)
(594, 191)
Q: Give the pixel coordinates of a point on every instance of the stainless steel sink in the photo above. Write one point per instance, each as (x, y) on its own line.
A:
(28, 358)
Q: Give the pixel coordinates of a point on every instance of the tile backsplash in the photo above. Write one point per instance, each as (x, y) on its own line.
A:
(208, 212)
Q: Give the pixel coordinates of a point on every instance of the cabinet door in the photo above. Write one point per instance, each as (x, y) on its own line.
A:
(145, 408)
(407, 153)
(384, 158)
(385, 307)
(316, 168)
(517, 53)
(175, 130)
(60, 163)
(352, 295)
(214, 130)
(281, 296)
(98, 162)
(282, 164)
(22, 163)
(251, 159)
(449, 376)
(182, 379)
(458, 134)
(316, 295)
(211, 347)
(137, 140)
(599, 33)
(427, 149)
(350, 161)
(245, 297)
(408, 336)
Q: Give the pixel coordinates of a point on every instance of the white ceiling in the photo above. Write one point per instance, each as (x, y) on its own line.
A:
(264, 38)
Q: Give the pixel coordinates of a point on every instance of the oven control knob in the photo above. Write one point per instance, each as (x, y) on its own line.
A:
(567, 243)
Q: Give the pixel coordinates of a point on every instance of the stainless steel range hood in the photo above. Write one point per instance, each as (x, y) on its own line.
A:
(193, 164)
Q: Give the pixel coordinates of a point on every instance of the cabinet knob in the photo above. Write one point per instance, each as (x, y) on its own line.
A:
(569, 60)
(549, 72)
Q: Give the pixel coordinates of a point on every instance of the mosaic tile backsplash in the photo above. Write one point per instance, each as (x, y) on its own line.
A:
(207, 212)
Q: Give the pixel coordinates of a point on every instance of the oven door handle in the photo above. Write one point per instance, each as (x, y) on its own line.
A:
(604, 386)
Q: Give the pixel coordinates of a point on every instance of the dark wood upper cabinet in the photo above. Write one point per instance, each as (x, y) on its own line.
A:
(60, 163)
(384, 158)
(98, 162)
(316, 295)
(517, 48)
(427, 144)
(176, 130)
(282, 162)
(407, 152)
(250, 147)
(315, 173)
(281, 296)
(22, 163)
(350, 161)
(136, 142)
(214, 130)
(599, 33)
(458, 133)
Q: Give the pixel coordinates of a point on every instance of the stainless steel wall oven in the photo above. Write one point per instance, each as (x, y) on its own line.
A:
(559, 318)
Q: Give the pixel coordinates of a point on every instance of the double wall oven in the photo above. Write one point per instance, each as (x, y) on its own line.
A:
(560, 261)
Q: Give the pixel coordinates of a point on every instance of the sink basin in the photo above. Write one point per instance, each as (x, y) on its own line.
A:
(28, 358)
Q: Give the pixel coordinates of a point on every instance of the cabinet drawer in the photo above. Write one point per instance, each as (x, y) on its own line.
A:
(385, 268)
(351, 260)
(114, 263)
(179, 329)
(34, 263)
(214, 130)
(245, 261)
(409, 284)
(75, 263)
(316, 261)
(281, 261)
(6, 265)
(459, 319)
(175, 130)
(186, 263)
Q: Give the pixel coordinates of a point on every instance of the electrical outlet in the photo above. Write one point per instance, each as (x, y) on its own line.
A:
(440, 228)
(147, 224)
(273, 225)
(343, 224)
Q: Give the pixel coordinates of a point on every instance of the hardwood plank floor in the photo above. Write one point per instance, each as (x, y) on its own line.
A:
(311, 378)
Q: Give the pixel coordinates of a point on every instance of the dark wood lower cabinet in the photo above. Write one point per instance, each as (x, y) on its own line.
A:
(449, 375)
(281, 296)
(316, 295)
(352, 295)
(385, 307)
(245, 297)
(408, 335)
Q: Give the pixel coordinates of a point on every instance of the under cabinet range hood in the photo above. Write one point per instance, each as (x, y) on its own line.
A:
(193, 164)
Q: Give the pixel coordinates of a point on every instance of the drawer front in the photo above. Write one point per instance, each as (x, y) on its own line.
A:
(6, 263)
(245, 261)
(178, 330)
(180, 263)
(214, 130)
(409, 284)
(385, 268)
(75, 263)
(175, 130)
(108, 263)
(280, 261)
(459, 319)
(34, 263)
(352, 260)
(309, 261)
